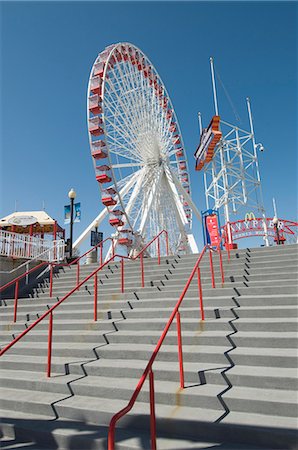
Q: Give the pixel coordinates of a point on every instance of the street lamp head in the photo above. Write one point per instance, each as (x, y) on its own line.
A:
(275, 220)
(72, 194)
(96, 223)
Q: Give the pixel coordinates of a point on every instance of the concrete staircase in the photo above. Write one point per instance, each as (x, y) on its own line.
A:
(240, 364)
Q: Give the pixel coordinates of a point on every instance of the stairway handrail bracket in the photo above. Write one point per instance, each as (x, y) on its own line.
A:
(148, 370)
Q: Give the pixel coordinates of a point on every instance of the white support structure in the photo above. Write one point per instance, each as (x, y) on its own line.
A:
(232, 178)
(100, 217)
(176, 188)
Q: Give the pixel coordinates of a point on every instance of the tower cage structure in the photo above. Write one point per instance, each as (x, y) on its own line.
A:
(232, 178)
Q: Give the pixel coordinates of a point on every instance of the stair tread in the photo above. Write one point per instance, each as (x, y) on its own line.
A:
(264, 351)
(260, 420)
(262, 371)
(262, 394)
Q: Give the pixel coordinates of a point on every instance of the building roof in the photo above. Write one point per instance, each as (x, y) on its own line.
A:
(22, 220)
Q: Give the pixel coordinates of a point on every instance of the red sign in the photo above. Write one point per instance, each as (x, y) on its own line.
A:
(209, 138)
(213, 230)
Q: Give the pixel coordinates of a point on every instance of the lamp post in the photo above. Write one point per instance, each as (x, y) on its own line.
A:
(71, 195)
(275, 224)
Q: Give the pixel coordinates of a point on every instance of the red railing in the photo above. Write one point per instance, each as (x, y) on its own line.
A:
(77, 261)
(49, 312)
(45, 264)
(148, 370)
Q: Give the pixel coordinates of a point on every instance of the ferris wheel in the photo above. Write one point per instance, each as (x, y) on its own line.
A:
(137, 151)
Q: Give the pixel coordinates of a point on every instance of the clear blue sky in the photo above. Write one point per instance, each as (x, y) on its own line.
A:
(47, 52)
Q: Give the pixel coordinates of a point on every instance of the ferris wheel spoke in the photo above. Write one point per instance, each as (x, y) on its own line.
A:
(118, 166)
(147, 205)
(126, 111)
(117, 114)
(126, 103)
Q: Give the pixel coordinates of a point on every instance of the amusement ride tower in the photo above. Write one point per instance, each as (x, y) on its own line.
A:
(228, 157)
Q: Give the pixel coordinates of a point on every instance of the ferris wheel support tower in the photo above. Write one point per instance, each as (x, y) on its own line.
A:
(232, 177)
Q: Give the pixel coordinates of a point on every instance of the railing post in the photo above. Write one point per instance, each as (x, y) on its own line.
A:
(142, 270)
(200, 294)
(158, 251)
(221, 267)
(16, 297)
(211, 268)
(51, 280)
(101, 250)
(229, 255)
(95, 297)
(167, 243)
(152, 411)
(122, 275)
(78, 273)
(50, 344)
(180, 354)
(27, 275)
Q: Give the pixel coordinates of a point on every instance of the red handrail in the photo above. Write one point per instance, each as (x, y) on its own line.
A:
(15, 280)
(77, 287)
(10, 283)
(148, 369)
(76, 261)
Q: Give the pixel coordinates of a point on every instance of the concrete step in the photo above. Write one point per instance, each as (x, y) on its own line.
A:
(37, 402)
(166, 392)
(268, 357)
(264, 377)
(265, 339)
(262, 401)
(167, 353)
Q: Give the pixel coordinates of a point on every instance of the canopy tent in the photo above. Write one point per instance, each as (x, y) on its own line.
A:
(33, 223)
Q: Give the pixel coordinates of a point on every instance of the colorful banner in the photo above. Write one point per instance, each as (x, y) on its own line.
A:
(66, 214)
(77, 213)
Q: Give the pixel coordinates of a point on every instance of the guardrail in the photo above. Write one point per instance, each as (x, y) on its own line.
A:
(148, 370)
(17, 280)
(49, 312)
(18, 245)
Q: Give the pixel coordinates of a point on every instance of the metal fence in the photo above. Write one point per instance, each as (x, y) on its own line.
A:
(30, 247)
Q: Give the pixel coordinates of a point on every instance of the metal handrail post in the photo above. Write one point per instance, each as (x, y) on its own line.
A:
(221, 267)
(50, 336)
(142, 270)
(211, 268)
(95, 297)
(16, 297)
(78, 274)
(180, 354)
(122, 275)
(158, 251)
(201, 294)
(51, 280)
(152, 411)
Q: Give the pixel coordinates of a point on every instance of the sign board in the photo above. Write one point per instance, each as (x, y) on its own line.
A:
(212, 228)
(22, 221)
(96, 238)
(209, 138)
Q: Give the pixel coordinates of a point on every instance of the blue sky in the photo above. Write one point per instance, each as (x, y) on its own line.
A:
(47, 52)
